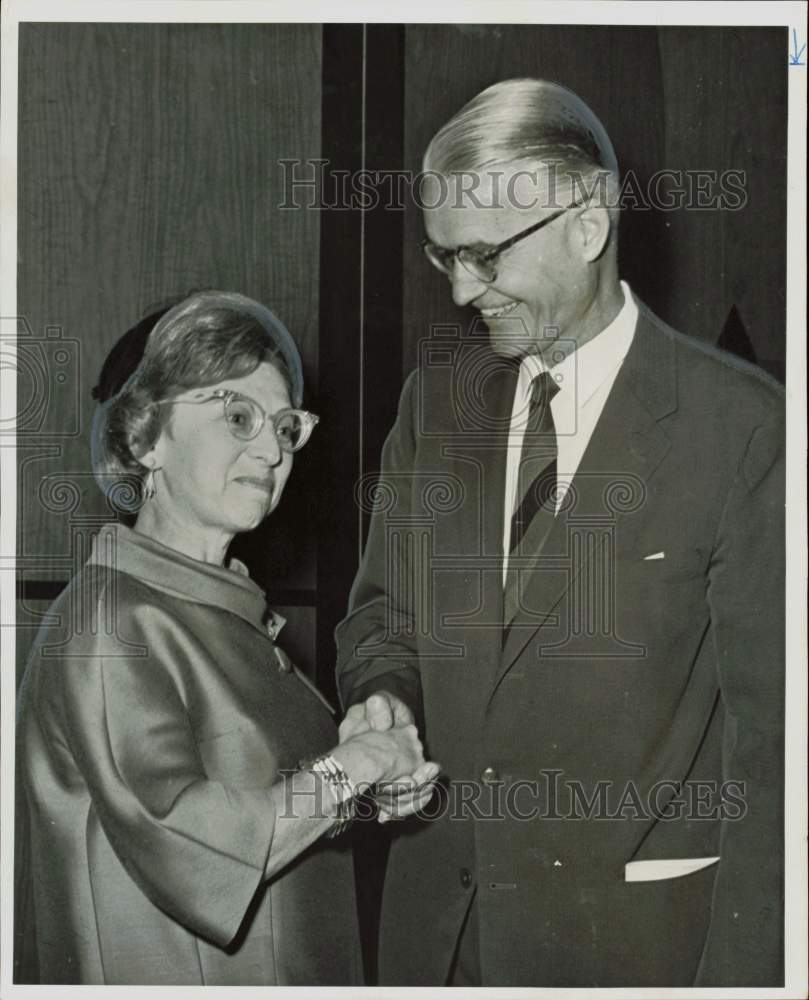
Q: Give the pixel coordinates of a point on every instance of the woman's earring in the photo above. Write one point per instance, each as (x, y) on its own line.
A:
(148, 485)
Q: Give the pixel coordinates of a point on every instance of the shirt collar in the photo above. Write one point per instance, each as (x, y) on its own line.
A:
(120, 548)
(586, 369)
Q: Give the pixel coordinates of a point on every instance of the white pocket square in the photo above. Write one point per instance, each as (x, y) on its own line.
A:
(653, 871)
(655, 555)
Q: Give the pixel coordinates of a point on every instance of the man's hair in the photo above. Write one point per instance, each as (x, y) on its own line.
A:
(532, 123)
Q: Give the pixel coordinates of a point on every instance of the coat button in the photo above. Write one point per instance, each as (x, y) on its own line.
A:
(466, 877)
(489, 776)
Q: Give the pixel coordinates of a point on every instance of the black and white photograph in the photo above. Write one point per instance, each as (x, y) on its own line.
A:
(474, 337)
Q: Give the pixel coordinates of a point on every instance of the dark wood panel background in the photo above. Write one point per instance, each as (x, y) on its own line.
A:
(148, 168)
(676, 98)
(726, 104)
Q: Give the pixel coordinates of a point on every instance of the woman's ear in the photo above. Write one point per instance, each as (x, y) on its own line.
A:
(151, 459)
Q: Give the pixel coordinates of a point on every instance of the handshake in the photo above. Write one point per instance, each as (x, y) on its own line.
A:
(379, 746)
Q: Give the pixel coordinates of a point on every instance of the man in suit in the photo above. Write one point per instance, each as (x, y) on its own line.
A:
(574, 582)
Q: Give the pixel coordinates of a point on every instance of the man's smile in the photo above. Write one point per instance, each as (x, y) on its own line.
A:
(497, 311)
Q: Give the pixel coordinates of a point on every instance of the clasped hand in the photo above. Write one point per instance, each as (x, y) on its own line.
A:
(400, 794)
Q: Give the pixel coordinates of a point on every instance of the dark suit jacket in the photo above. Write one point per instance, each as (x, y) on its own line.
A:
(634, 709)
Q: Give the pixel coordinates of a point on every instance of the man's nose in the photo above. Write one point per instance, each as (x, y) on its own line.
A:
(465, 286)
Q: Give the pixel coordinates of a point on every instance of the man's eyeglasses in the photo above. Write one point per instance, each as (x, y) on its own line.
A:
(245, 418)
(481, 264)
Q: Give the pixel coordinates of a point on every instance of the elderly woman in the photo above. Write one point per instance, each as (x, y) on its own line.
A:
(180, 773)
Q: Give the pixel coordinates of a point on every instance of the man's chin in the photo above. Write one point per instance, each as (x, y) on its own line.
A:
(509, 336)
(510, 342)
(511, 345)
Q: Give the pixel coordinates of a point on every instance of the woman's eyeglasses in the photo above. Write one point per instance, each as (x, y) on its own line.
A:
(481, 264)
(245, 418)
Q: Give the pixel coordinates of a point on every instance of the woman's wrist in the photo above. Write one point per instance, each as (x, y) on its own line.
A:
(342, 792)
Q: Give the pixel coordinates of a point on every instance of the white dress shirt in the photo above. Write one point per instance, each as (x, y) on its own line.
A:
(585, 379)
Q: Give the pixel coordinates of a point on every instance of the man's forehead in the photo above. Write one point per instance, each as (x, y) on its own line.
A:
(516, 187)
(465, 226)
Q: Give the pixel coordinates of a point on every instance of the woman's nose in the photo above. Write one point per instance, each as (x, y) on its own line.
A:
(265, 445)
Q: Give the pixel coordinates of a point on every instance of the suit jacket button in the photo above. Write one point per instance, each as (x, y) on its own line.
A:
(466, 877)
(489, 776)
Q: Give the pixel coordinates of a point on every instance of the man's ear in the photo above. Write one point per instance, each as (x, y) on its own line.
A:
(593, 231)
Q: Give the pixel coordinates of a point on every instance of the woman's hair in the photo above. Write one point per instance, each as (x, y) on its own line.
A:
(532, 122)
(204, 339)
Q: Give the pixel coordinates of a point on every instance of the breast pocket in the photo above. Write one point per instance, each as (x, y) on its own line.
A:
(659, 598)
(654, 566)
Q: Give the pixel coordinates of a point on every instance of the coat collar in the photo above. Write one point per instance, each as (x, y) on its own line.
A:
(120, 548)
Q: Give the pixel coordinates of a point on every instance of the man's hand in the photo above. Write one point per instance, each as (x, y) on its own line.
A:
(354, 723)
(380, 712)
(384, 710)
(407, 795)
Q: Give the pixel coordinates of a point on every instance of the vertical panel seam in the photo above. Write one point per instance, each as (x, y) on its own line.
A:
(363, 121)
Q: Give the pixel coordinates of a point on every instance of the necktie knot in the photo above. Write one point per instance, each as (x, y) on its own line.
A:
(543, 389)
(540, 418)
(545, 384)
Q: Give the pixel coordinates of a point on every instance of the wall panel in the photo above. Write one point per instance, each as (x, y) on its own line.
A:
(713, 79)
(148, 167)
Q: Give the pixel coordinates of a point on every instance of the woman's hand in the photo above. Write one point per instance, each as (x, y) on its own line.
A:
(368, 756)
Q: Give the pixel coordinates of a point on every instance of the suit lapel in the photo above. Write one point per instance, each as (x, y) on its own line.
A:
(473, 538)
(626, 447)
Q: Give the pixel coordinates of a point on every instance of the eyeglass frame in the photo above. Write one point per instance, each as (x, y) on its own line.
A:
(495, 251)
(309, 420)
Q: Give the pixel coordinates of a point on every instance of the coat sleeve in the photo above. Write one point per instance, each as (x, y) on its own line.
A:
(746, 593)
(376, 645)
(196, 847)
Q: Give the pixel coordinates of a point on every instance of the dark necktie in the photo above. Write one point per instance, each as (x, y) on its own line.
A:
(536, 484)
(536, 478)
